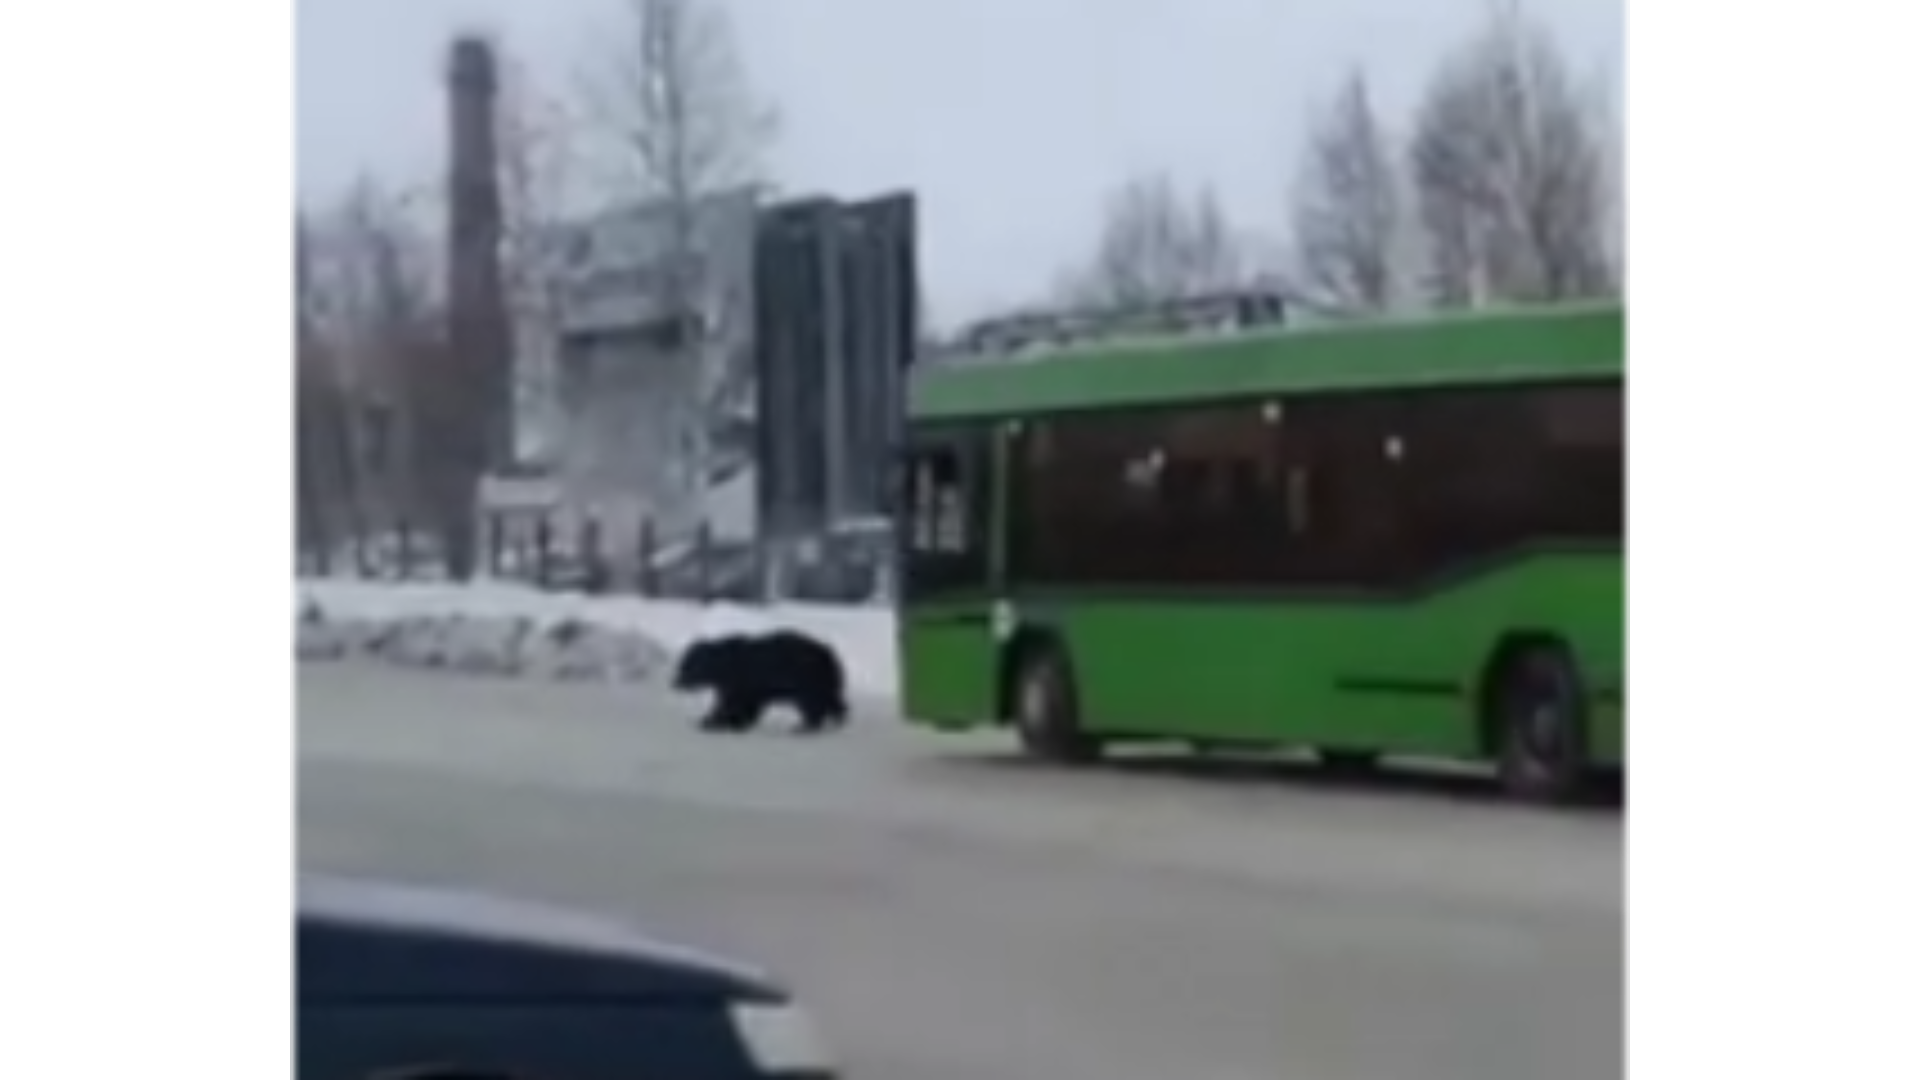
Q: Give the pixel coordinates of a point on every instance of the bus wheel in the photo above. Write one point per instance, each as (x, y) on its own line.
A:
(1540, 724)
(1047, 712)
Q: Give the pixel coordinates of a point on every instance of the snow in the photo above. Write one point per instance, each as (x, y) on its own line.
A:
(508, 629)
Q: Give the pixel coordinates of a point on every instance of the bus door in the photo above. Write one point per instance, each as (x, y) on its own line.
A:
(947, 556)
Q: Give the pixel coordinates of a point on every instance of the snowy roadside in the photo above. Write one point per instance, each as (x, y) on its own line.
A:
(509, 630)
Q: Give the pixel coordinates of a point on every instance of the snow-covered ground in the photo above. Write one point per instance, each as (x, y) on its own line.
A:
(512, 630)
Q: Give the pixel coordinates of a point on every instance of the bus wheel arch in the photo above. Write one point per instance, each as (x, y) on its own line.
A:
(1027, 642)
(1039, 696)
(1532, 718)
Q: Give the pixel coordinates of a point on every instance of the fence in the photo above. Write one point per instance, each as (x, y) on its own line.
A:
(540, 551)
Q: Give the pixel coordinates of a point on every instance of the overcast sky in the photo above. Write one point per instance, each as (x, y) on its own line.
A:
(1010, 118)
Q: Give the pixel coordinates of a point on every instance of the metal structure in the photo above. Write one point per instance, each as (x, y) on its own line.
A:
(1043, 333)
(836, 326)
(758, 390)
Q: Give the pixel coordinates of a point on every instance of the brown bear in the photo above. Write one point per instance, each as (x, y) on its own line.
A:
(746, 673)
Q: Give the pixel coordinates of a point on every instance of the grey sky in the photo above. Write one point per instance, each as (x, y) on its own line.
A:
(1011, 118)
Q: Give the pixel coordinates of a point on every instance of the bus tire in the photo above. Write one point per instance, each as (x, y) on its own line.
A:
(1046, 710)
(1539, 725)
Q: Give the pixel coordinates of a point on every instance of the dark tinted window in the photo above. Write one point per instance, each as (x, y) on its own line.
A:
(1344, 457)
(1418, 485)
(1341, 490)
(946, 487)
(1148, 498)
(1584, 435)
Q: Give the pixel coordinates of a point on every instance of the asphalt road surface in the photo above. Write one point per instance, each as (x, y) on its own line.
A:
(952, 913)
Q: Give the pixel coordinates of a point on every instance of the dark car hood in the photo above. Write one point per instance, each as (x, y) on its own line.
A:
(362, 941)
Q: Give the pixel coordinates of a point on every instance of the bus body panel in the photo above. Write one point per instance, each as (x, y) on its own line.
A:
(1399, 677)
(949, 662)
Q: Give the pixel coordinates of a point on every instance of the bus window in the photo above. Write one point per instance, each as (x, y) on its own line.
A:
(1582, 430)
(944, 516)
(1189, 496)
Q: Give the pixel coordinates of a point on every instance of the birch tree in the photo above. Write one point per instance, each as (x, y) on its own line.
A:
(1157, 243)
(368, 315)
(1351, 227)
(538, 142)
(1509, 158)
(676, 126)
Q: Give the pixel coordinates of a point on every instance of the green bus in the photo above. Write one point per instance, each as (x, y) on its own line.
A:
(1397, 539)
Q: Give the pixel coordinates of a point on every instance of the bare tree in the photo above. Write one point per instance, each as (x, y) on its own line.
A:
(674, 97)
(326, 482)
(371, 267)
(1350, 226)
(540, 177)
(367, 315)
(1509, 157)
(680, 130)
(323, 476)
(1158, 243)
(686, 125)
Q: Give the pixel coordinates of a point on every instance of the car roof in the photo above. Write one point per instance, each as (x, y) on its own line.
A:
(362, 940)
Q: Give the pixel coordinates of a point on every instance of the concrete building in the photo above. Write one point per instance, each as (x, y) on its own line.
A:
(637, 378)
(768, 413)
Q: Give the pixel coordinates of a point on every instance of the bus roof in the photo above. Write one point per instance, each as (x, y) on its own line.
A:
(1569, 341)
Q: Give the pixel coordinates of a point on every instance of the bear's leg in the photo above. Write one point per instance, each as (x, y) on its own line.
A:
(815, 715)
(730, 713)
(748, 711)
(716, 715)
(827, 712)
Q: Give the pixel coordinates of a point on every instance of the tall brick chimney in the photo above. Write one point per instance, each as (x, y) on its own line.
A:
(478, 334)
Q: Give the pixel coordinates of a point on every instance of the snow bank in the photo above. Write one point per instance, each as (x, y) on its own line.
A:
(507, 629)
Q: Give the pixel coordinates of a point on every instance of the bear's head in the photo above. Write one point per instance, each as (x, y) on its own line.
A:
(702, 665)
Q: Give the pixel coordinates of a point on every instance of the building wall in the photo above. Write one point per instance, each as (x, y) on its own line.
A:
(632, 426)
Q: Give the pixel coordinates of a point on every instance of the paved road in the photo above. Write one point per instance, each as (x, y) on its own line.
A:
(953, 914)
